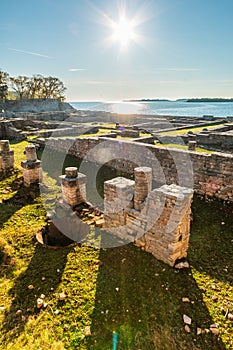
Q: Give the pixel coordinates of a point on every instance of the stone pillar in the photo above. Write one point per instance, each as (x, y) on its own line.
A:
(6, 156)
(192, 137)
(73, 186)
(192, 145)
(143, 185)
(32, 171)
(168, 223)
(118, 197)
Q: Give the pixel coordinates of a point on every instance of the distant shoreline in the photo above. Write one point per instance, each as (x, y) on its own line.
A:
(205, 99)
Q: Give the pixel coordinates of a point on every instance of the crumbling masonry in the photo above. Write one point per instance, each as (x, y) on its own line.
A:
(156, 220)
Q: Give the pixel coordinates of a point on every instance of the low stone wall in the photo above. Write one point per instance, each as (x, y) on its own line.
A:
(36, 105)
(209, 174)
(9, 132)
(216, 139)
(160, 225)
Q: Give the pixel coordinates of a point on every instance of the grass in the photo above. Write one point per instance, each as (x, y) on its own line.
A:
(184, 147)
(120, 289)
(193, 129)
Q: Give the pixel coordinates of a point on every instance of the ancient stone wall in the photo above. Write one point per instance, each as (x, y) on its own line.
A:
(212, 173)
(36, 105)
(157, 220)
(9, 132)
(218, 139)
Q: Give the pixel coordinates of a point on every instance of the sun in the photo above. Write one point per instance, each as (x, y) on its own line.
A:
(123, 31)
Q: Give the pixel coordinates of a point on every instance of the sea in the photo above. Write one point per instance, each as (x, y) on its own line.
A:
(172, 108)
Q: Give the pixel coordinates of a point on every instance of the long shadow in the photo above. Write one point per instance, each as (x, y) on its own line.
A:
(44, 273)
(211, 241)
(22, 197)
(140, 298)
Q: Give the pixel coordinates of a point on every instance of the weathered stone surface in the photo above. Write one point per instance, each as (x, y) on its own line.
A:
(6, 157)
(73, 186)
(32, 171)
(192, 145)
(212, 173)
(161, 227)
(118, 197)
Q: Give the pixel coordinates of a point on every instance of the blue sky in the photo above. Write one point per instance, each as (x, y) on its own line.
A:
(184, 48)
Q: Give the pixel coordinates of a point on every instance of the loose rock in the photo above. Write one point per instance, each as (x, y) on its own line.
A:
(185, 300)
(182, 265)
(187, 319)
(39, 303)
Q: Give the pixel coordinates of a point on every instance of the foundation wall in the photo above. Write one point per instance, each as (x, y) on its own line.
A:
(211, 173)
(161, 225)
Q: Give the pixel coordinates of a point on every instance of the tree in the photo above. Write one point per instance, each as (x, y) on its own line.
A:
(20, 86)
(35, 86)
(4, 76)
(53, 88)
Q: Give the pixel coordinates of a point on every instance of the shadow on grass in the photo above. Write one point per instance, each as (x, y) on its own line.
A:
(44, 272)
(140, 298)
(211, 241)
(21, 198)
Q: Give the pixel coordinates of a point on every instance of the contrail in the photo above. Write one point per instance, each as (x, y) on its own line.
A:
(76, 69)
(29, 52)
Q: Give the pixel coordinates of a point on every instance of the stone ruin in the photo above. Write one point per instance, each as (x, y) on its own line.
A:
(157, 220)
(6, 157)
(32, 171)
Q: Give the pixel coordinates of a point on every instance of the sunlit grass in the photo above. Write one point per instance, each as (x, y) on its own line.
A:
(193, 129)
(182, 147)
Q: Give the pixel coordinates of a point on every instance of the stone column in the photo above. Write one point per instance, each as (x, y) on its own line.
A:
(143, 185)
(6, 156)
(73, 186)
(168, 222)
(32, 171)
(118, 197)
(192, 145)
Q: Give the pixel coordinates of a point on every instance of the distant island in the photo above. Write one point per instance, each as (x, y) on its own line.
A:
(147, 100)
(202, 99)
(207, 99)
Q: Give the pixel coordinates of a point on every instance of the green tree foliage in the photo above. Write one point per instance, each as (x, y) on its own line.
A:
(37, 86)
(53, 88)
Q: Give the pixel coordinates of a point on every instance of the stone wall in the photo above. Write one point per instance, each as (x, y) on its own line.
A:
(36, 105)
(211, 174)
(216, 139)
(9, 132)
(157, 220)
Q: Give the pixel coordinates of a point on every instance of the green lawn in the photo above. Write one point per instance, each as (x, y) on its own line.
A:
(120, 289)
(193, 129)
(184, 147)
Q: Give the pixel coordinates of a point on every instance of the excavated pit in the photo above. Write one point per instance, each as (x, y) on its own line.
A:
(66, 227)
